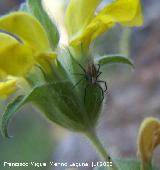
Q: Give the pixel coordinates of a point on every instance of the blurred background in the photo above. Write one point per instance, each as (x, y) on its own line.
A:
(133, 95)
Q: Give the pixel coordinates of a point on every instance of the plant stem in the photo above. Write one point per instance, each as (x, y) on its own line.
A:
(91, 135)
(146, 165)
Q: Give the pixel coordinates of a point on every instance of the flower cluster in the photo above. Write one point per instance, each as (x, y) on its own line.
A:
(29, 56)
(62, 82)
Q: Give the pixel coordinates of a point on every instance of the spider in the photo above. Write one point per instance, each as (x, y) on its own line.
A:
(91, 75)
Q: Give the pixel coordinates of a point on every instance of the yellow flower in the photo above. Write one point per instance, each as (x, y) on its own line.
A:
(84, 26)
(148, 140)
(7, 88)
(23, 42)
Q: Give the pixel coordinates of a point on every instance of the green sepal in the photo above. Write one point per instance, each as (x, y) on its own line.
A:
(54, 101)
(111, 59)
(92, 101)
(59, 104)
(123, 164)
(57, 101)
(93, 97)
(50, 27)
(11, 108)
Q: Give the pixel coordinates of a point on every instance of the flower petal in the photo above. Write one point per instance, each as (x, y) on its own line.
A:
(7, 88)
(15, 58)
(148, 139)
(125, 12)
(79, 13)
(27, 28)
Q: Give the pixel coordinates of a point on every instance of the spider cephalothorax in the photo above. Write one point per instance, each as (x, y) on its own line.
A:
(91, 75)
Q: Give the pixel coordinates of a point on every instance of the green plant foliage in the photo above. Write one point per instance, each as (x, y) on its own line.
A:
(50, 27)
(12, 107)
(60, 104)
(110, 59)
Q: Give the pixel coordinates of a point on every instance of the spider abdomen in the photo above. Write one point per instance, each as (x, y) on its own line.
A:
(91, 74)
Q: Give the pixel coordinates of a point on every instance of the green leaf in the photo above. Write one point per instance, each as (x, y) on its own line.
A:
(111, 59)
(51, 29)
(125, 165)
(12, 108)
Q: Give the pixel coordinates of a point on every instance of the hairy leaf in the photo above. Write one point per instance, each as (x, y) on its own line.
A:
(111, 59)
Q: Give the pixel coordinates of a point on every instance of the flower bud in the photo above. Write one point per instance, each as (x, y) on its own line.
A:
(148, 140)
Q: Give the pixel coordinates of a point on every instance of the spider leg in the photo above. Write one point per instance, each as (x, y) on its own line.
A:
(82, 68)
(78, 74)
(98, 74)
(77, 83)
(104, 82)
(99, 66)
(102, 91)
